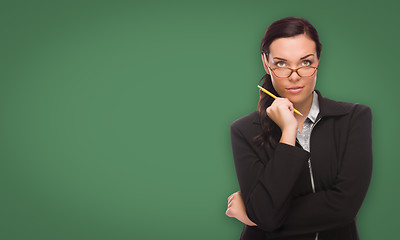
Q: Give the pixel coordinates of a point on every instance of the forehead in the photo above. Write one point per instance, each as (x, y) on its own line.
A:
(292, 48)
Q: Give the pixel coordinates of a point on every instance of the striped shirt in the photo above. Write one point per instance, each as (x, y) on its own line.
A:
(304, 137)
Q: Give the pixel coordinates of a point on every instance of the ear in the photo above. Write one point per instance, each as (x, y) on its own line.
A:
(264, 60)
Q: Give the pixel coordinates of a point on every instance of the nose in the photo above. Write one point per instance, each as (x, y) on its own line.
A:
(294, 76)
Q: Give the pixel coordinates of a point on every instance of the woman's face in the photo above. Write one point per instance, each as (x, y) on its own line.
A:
(293, 52)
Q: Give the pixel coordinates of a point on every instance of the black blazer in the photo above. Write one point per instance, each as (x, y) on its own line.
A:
(276, 184)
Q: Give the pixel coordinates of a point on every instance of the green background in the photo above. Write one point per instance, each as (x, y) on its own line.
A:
(115, 115)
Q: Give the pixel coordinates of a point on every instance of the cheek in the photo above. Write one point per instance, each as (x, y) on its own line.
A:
(277, 86)
(311, 82)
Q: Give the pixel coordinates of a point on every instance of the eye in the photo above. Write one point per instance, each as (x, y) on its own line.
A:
(280, 64)
(306, 63)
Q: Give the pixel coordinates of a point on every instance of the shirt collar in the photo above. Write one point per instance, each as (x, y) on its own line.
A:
(314, 110)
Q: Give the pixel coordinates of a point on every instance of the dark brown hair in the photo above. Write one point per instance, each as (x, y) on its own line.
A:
(285, 27)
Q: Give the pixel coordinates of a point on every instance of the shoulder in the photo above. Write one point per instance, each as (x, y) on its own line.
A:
(246, 121)
(247, 125)
(329, 107)
(353, 109)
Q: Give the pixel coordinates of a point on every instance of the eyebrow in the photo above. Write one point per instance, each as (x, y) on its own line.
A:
(306, 56)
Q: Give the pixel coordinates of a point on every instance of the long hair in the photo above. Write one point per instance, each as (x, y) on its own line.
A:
(285, 27)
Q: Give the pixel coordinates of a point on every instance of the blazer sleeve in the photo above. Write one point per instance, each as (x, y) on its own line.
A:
(338, 205)
(266, 188)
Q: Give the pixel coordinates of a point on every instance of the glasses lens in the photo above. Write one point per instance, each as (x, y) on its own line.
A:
(306, 71)
(282, 72)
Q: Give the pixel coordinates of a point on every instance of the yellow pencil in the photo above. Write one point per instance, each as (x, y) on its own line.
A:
(272, 95)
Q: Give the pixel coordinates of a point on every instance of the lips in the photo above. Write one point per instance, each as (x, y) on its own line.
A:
(295, 89)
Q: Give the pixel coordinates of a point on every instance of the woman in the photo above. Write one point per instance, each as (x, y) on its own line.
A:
(300, 176)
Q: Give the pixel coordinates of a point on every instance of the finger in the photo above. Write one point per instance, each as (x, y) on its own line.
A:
(231, 198)
(231, 203)
(281, 103)
(234, 194)
(229, 212)
(288, 104)
(230, 195)
(281, 100)
(291, 108)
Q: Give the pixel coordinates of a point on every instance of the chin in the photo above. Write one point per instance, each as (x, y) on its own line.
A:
(297, 98)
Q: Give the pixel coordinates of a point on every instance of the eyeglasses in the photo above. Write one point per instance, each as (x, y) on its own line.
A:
(284, 72)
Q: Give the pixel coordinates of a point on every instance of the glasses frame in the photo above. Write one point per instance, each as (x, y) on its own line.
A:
(291, 69)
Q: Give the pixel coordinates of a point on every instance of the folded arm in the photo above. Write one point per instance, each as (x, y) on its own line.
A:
(266, 189)
(267, 197)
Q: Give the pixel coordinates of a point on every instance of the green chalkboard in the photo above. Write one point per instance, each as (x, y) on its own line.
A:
(115, 115)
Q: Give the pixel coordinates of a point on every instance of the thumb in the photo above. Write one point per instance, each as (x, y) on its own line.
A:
(291, 109)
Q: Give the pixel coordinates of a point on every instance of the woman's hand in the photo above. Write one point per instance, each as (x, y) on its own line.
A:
(281, 112)
(237, 209)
